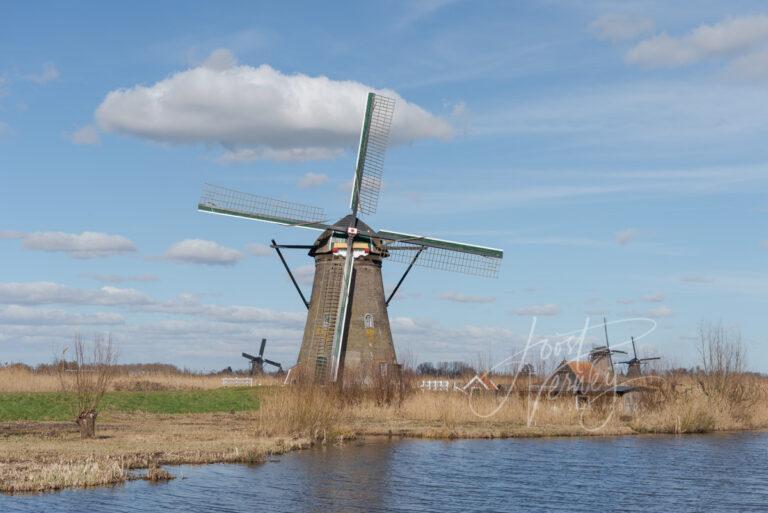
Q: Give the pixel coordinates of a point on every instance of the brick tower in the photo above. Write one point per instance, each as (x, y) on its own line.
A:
(368, 343)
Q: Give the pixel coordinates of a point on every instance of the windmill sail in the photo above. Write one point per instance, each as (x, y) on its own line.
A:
(341, 315)
(370, 155)
(229, 202)
(443, 254)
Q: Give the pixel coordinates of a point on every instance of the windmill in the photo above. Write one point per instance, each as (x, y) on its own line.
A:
(601, 356)
(257, 362)
(347, 323)
(633, 365)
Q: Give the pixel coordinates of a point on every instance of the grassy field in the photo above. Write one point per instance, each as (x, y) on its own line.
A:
(54, 406)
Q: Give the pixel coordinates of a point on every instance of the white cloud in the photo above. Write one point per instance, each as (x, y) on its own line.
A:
(43, 292)
(210, 333)
(220, 59)
(625, 236)
(116, 296)
(83, 245)
(725, 38)
(49, 73)
(440, 342)
(458, 297)
(23, 315)
(259, 250)
(197, 251)
(116, 278)
(257, 112)
(620, 27)
(661, 311)
(312, 180)
(538, 310)
(10, 234)
(87, 135)
(249, 314)
(657, 297)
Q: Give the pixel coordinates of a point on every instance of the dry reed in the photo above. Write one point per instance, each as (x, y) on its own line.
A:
(299, 410)
(19, 378)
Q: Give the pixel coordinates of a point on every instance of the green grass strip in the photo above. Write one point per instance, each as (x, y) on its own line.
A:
(56, 406)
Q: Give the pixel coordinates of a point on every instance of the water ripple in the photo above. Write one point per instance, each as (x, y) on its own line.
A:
(724, 472)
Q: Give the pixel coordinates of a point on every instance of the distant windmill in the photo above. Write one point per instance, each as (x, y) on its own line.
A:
(633, 365)
(257, 362)
(347, 323)
(601, 356)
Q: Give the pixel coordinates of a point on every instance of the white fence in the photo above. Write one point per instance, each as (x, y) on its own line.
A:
(237, 382)
(441, 385)
(444, 385)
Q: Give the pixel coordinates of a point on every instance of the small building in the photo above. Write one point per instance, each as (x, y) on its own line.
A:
(579, 377)
(480, 382)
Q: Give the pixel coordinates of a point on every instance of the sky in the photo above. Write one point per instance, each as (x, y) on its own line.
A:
(615, 151)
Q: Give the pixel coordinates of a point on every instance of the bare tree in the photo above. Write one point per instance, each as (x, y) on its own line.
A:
(723, 376)
(722, 356)
(87, 378)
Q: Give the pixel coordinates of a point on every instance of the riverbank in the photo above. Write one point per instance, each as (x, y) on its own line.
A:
(40, 451)
(39, 456)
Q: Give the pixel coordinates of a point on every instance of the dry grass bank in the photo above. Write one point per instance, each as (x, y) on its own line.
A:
(47, 456)
(674, 404)
(17, 378)
(689, 404)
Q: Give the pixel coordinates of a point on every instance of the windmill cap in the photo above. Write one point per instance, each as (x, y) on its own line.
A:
(349, 221)
(341, 226)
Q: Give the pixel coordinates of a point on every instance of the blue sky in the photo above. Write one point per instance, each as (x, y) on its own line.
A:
(615, 151)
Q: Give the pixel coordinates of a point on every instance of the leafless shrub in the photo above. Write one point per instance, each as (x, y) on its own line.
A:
(723, 377)
(87, 378)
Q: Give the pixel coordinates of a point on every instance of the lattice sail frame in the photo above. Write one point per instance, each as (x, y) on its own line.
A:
(374, 138)
(442, 254)
(224, 201)
(445, 259)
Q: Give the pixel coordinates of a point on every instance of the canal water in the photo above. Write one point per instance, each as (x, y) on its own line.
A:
(720, 472)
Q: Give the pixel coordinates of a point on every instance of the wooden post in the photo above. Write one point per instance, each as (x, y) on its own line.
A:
(87, 423)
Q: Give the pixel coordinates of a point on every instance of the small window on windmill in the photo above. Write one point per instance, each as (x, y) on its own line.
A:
(368, 321)
(383, 368)
(327, 320)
